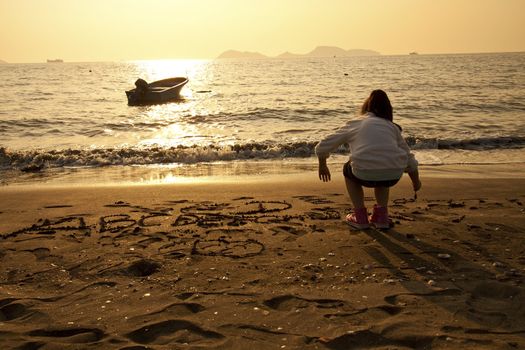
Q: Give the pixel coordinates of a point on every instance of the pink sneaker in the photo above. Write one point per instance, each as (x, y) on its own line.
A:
(359, 219)
(379, 217)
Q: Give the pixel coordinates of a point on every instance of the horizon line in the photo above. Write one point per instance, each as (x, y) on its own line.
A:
(265, 57)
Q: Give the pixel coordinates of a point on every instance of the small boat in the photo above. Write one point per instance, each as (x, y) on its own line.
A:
(160, 91)
(58, 60)
(413, 53)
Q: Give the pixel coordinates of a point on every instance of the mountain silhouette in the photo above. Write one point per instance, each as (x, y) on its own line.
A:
(319, 51)
(241, 54)
(331, 51)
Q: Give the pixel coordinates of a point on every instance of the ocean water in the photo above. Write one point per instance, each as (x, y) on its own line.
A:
(454, 109)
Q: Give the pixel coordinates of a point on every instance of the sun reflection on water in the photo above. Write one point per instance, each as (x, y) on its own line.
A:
(169, 122)
(152, 70)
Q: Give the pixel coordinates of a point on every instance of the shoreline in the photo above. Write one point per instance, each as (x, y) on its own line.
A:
(230, 172)
(235, 265)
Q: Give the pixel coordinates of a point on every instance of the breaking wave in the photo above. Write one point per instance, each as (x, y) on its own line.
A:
(35, 160)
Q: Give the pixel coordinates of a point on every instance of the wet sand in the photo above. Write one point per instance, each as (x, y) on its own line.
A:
(266, 264)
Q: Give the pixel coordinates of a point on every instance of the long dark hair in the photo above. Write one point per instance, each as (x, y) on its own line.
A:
(379, 104)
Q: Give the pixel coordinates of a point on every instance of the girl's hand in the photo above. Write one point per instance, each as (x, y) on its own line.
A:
(324, 173)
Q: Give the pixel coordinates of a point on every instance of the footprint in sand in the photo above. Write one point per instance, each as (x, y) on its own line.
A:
(171, 310)
(364, 338)
(487, 319)
(292, 302)
(495, 304)
(497, 290)
(175, 332)
(440, 296)
(361, 316)
(11, 309)
(70, 335)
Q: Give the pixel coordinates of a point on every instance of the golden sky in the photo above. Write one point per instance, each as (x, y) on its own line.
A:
(108, 30)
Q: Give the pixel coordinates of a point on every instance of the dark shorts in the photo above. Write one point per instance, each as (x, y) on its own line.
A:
(347, 172)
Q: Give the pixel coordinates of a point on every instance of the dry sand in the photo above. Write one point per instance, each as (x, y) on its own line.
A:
(262, 265)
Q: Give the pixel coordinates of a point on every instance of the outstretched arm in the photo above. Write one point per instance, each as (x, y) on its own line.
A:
(324, 172)
(330, 143)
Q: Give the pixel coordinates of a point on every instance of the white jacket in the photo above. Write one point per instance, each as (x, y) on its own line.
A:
(377, 150)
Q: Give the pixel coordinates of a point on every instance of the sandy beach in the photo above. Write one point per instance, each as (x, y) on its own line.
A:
(262, 264)
(162, 167)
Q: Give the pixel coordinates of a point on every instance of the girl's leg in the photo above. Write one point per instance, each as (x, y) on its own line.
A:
(382, 194)
(355, 191)
(379, 216)
(359, 218)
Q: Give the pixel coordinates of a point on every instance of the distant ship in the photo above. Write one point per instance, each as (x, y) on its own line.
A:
(58, 60)
(413, 53)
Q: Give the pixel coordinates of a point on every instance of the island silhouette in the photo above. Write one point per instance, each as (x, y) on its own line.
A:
(319, 51)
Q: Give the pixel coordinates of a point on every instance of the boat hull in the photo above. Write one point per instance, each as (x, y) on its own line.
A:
(160, 91)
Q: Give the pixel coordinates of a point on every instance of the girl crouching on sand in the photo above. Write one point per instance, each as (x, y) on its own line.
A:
(379, 156)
